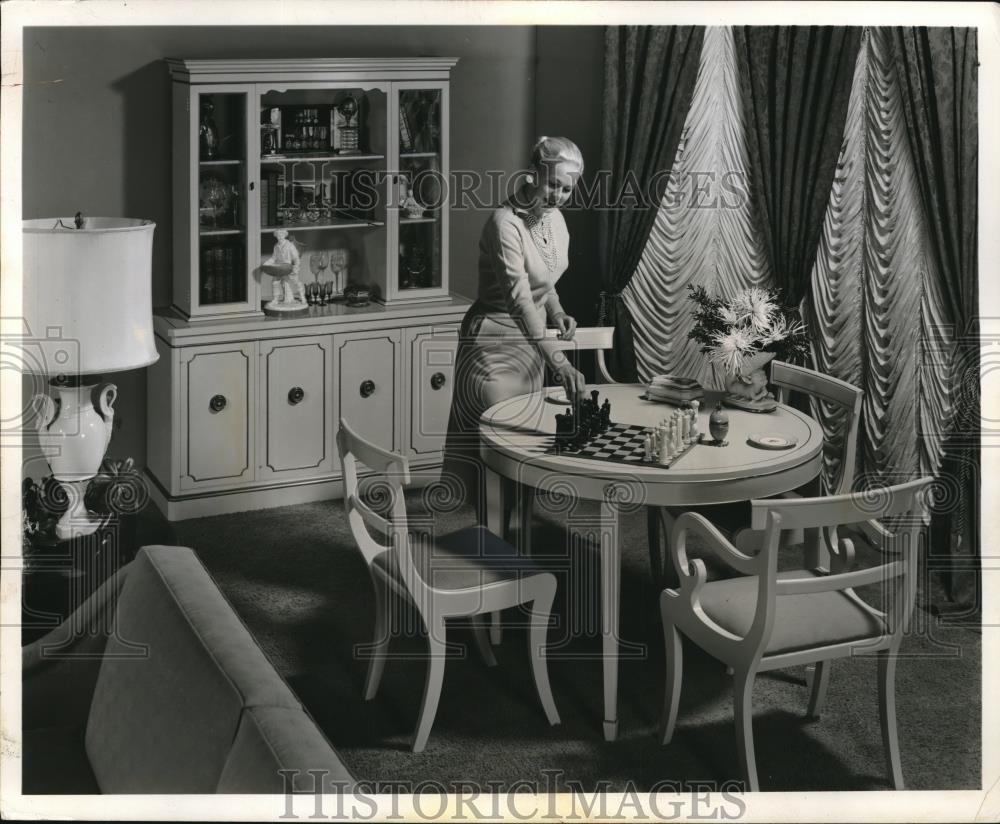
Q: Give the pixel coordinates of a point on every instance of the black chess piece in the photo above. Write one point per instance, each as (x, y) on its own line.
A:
(605, 415)
(564, 428)
(594, 395)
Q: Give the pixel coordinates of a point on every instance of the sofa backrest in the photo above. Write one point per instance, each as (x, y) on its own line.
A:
(167, 721)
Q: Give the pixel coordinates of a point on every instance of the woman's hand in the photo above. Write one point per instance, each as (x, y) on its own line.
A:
(572, 380)
(566, 324)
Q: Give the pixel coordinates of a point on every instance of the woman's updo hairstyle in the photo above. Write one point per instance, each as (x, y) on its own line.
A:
(556, 150)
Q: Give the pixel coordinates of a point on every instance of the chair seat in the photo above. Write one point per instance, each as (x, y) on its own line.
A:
(731, 603)
(469, 557)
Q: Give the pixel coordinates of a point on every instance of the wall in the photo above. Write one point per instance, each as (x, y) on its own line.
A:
(96, 127)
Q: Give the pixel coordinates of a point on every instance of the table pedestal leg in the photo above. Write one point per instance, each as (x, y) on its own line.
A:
(610, 603)
(495, 509)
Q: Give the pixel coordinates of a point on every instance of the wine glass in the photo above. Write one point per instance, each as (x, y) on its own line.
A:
(315, 266)
(322, 260)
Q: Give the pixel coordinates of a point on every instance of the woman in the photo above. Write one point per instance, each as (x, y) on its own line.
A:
(502, 349)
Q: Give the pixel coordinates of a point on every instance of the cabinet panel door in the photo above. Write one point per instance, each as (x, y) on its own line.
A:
(431, 380)
(217, 415)
(368, 377)
(296, 383)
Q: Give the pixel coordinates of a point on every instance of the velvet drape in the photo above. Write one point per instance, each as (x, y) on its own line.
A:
(795, 83)
(937, 70)
(649, 79)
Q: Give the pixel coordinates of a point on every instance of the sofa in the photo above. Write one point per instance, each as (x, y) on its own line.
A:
(154, 685)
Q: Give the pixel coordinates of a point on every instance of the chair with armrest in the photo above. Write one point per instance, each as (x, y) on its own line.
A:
(731, 518)
(466, 573)
(765, 620)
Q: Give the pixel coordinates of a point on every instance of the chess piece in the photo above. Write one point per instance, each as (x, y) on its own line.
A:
(605, 415)
(664, 454)
(694, 420)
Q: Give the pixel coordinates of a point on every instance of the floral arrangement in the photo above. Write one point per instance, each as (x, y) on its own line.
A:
(733, 332)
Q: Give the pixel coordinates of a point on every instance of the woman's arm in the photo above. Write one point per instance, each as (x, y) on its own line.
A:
(510, 273)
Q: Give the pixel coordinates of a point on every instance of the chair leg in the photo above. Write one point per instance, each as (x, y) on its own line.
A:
(887, 713)
(432, 685)
(479, 632)
(672, 690)
(742, 701)
(817, 688)
(380, 643)
(541, 609)
(655, 550)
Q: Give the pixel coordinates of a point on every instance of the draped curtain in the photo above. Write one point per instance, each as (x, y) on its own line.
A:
(937, 72)
(649, 78)
(876, 309)
(795, 83)
(705, 232)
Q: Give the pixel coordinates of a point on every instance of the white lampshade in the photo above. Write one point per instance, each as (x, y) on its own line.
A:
(94, 286)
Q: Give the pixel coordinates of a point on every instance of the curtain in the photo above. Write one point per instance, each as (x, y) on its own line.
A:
(937, 70)
(705, 233)
(795, 83)
(876, 310)
(649, 78)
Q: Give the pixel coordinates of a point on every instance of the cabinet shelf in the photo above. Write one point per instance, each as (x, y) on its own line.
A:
(220, 232)
(277, 159)
(406, 220)
(308, 226)
(220, 162)
(418, 154)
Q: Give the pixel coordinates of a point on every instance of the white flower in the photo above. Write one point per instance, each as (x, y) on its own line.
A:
(730, 350)
(728, 315)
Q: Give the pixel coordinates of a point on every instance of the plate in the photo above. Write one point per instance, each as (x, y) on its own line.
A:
(771, 440)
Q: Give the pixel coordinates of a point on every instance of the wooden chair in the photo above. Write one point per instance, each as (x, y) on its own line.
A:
(462, 574)
(787, 378)
(767, 620)
(598, 338)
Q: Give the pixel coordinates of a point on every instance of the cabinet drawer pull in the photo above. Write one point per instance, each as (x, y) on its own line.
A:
(218, 403)
(438, 380)
(367, 387)
(295, 395)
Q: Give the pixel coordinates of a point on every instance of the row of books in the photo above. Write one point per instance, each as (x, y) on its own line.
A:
(222, 274)
(269, 198)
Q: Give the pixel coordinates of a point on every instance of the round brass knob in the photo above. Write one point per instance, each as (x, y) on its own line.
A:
(367, 387)
(438, 380)
(295, 395)
(218, 403)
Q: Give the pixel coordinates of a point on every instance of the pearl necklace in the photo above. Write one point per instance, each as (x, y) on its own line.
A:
(541, 233)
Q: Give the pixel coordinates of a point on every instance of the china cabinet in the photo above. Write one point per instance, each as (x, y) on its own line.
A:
(349, 156)
(348, 159)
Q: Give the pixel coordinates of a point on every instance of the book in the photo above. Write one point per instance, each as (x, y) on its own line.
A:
(405, 130)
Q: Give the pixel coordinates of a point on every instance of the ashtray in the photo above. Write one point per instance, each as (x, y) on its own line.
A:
(771, 440)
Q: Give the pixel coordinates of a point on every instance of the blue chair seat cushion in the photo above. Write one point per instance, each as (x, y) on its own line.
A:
(800, 621)
(470, 557)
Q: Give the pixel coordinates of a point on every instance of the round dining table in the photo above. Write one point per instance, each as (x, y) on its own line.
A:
(517, 444)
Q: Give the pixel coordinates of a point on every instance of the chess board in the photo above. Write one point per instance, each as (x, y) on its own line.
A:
(622, 443)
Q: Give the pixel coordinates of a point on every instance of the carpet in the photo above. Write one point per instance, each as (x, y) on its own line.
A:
(301, 587)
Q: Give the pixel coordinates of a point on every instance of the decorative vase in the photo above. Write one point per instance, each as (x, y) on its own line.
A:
(718, 424)
(751, 383)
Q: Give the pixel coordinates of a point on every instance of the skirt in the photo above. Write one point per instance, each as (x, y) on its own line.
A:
(494, 362)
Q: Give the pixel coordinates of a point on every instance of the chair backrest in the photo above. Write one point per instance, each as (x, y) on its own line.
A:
(820, 518)
(788, 378)
(390, 474)
(598, 338)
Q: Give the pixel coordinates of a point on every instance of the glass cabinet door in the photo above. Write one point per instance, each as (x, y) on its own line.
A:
(422, 191)
(221, 282)
(323, 157)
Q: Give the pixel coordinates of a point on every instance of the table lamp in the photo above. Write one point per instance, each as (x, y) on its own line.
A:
(87, 285)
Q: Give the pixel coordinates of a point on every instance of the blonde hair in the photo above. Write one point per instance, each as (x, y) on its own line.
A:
(556, 150)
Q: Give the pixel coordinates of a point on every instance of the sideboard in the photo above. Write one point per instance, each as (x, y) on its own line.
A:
(242, 413)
